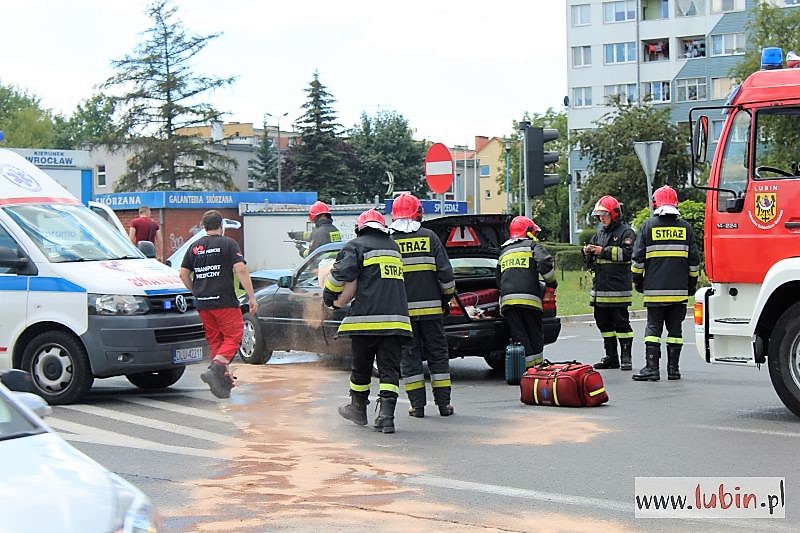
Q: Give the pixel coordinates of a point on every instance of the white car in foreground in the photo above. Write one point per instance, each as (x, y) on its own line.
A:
(47, 485)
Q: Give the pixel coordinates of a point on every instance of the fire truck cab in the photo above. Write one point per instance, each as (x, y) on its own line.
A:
(750, 314)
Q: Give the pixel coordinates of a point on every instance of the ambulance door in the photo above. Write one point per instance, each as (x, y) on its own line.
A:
(14, 270)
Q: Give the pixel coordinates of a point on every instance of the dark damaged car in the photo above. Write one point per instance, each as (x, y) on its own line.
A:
(291, 315)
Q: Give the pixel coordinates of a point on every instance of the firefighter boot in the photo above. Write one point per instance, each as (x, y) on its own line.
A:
(385, 419)
(356, 410)
(625, 346)
(611, 359)
(442, 397)
(673, 356)
(651, 371)
(416, 398)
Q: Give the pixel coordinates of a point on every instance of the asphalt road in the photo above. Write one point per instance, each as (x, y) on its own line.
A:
(276, 456)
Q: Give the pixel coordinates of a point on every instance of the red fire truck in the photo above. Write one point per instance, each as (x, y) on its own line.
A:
(751, 312)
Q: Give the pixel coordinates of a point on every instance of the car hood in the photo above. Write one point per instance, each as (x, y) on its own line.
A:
(471, 235)
(47, 485)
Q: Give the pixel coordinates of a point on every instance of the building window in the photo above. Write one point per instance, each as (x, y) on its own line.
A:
(655, 9)
(691, 47)
(626, 92)
(199, 163)
(581, 15)
(727, 44)
(582, 97)
(721, 88)
(723, 6)
(656, 91)
(655, 50)
(690, 8)
(101, 175)
(487, 194)
(690, 89)
(485, 170)
(581, 56)
(716, 129)
(619, 53)
(619, 11)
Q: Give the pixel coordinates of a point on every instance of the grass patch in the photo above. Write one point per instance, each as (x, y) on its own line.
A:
(572, 295)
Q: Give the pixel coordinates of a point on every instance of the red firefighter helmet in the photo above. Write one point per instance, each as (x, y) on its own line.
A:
(521, 226)
(406, 206)
(318, 208)
(370, 219)
(665, 195)
(608, 205)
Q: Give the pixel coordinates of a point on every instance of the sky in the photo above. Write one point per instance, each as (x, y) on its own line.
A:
(453, 69)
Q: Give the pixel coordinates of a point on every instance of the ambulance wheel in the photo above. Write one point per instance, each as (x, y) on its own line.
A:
(59, 367)
(784, 358)
(156, 380)
(253, 349)
(496, 361)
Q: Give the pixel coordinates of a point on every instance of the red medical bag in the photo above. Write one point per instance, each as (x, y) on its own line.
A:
(569, 384)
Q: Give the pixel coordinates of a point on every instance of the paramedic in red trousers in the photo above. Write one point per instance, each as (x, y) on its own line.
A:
(665, 267)
(609, 253)
(324, 231)
(370, 268)
(429, 288)
(207, 270)
(522, 260)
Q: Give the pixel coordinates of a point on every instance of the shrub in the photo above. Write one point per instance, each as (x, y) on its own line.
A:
(570, 259)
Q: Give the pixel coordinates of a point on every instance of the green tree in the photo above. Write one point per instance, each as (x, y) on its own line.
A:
(91, 123)
(264, 170)
(25, 124)
(767, 25)
(321, 161)
(383, 144)
(159, 96)
(614, 167)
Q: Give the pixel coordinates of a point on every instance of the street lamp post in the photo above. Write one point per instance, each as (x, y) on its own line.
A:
(278, 126)
(508, 176)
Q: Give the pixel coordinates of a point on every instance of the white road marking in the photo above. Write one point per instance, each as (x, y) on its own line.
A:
(746, 430)
(150, 423)
(93, 435)
(210, 414)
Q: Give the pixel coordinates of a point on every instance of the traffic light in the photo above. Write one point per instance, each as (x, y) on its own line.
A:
(538, 159)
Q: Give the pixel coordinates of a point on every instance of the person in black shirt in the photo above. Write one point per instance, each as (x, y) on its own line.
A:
(207, 270)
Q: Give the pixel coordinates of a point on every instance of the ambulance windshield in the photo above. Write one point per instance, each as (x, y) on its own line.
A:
(70, 233)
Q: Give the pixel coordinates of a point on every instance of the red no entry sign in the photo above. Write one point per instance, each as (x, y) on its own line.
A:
(439, 168)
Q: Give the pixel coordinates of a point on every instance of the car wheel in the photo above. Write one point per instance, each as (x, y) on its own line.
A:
(59, 367)
(784, 358)
(496, 361)
(253, 349)
(156, 380)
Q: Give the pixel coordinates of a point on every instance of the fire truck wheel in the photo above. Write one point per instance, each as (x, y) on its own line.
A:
(784, 358)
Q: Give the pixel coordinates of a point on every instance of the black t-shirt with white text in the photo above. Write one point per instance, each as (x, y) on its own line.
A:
(211, 258)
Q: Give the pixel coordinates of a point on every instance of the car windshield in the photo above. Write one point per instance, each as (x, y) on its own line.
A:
(69, 233)
(13, 422)
(309, 274)
(473, 267)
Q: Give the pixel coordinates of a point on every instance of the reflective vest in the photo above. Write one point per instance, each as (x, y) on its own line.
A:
(665, 260)
(380, 307)
(427, 271)
(611, 286)
(518, 268)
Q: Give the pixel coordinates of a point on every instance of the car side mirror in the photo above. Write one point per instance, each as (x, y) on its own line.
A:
(147, 248)
(285, 282)
(17, 380)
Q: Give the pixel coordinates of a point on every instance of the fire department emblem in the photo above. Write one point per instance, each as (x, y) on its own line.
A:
(766, 206)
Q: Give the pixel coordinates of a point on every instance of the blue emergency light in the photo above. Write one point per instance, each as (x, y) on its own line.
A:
(771, 58)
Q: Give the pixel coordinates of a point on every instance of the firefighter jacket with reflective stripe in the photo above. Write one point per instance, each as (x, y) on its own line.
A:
(380, 307)
(518, 268)
(323, 233)
(666, 262)
(427, 271)
(611, 286)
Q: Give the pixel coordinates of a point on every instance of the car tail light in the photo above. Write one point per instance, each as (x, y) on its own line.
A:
(698, 313)
(549, 299)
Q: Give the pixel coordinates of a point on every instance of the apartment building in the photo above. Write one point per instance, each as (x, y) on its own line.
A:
(675, 53)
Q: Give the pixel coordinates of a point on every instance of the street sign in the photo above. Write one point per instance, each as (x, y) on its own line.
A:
(439, 168)
(648, 152)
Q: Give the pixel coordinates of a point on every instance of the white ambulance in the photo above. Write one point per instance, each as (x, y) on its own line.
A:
(78, 301)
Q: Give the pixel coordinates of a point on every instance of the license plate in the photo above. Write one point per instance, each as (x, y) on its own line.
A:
(187, 355)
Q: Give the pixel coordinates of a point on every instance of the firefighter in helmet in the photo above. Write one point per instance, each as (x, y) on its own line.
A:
(609, 253)
(324, 231)
(370, 269)
(522, 261)
(666, 264)
(429, 288)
